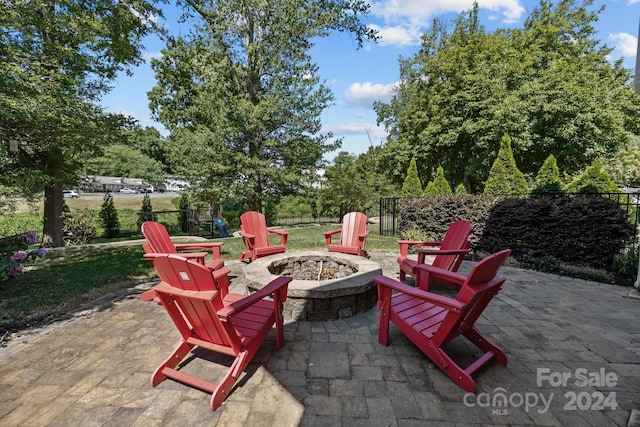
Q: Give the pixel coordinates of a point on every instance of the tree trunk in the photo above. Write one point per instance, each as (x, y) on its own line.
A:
(52, 233)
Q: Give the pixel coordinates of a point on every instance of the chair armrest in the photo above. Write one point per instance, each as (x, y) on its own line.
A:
(444, 275)
(329, 234)
(247, 235)
(271, 289)
(214, 247)
(439, 300)
(150, 295)
(423, 252)
(198, 256)
(284, 235)
(406, 244)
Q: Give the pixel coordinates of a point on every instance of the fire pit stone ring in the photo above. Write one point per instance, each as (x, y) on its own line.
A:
(316, 294)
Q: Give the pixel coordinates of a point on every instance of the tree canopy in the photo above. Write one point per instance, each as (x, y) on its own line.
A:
(57, 58)
(242, 97)
(549, 85)
(122, 160)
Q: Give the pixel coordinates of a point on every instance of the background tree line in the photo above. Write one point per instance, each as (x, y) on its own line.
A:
(242, 99)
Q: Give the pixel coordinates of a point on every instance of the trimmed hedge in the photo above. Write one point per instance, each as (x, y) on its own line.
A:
(432, 215)
(584, 230)
(541, 232)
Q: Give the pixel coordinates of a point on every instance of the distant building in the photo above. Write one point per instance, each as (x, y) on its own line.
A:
(116, 183)
(113, 184)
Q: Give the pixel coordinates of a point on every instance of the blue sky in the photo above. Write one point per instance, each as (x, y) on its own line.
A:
(360, 77)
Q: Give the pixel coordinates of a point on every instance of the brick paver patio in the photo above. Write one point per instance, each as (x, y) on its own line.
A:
(573, 349)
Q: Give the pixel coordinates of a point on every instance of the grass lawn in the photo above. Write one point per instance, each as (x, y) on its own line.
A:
(65, 279)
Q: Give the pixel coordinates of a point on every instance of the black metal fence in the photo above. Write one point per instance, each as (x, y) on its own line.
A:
(390, 210)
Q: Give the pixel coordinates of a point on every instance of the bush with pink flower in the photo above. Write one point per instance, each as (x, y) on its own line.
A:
(14, 252)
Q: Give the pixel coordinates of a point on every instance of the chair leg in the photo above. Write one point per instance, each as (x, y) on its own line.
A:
(450, 368)
(224, 387)
(479, 340)
(279, 321)
(177, 355)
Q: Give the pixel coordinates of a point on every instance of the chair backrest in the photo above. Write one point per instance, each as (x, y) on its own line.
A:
(253, 222)
(456, 237)
(353, 225)
(158, 238)
(189, 294)
(481, 285)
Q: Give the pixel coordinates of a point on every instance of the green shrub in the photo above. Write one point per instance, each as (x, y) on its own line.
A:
(460, 189)
(16, 223)
(585, 230)
(440, 183)
(548, 179)
(625, 264)
(183, 207)
(433, 216)
(593, 180)
(430, 190)
(78, 228)
(294, 207)
(146, 213)
(412, 234)
(504, 177)
(411, 187)
(109, 217)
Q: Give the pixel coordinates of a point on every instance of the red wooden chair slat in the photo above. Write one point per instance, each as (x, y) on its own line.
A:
(255, 237)
(352, 235)
(430, 320)
(232, 324)
(449, 253)
(159, 242)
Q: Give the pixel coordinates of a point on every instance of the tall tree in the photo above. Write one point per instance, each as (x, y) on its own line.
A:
(122, 160)
(549, 85)
(353, 184)
(149, 142)
(57, 58)
(242, 97)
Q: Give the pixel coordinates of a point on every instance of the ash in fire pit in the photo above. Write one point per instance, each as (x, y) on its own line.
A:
(325, 286)
(312, 268)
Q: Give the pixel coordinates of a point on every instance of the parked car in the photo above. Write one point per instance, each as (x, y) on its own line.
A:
(70, 194)
(147, 190)
(126, 190)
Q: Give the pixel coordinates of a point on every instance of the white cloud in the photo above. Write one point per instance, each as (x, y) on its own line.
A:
(363, 95)
(625, 43)
(398, 35)
(633, 2)
(347, 129)
(148, 56)
(405, 20)
(390, 10)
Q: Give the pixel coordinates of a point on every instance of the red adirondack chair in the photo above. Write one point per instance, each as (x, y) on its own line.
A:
(233, 325)
(255, 237)
(159, 242)
(430, 320)
(449, 253)
(352, 235)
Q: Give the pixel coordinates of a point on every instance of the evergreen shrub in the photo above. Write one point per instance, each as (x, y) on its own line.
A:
(109, 217)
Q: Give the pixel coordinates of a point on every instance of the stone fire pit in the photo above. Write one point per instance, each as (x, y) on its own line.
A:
(325, 285)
